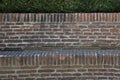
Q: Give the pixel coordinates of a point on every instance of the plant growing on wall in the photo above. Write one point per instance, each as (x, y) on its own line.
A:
(50, 6)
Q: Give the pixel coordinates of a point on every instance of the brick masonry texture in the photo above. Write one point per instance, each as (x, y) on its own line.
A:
(55, 31)
(59, 29)
(71, 66)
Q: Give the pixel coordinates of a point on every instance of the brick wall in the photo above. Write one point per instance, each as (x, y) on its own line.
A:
(58, 30)
(103, 66)
(61, 30)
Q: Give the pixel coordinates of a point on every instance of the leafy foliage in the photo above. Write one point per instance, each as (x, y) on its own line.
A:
(59, 6)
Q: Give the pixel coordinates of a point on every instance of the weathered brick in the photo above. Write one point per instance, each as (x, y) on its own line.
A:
(97, 33)
(102, 78)
(24, 75)
(107, 33)
(26, 71)
(70, 40)
(83, 36)
(7, 72)
(12, 41)
(46, 70)
(88, 74)
(93, 70)
(41, 79)
(87, 40)
(51, 40)
(98, 73)
(72, 36)
(44, 36)
(51, 78)
(109, 74)
(30, 79)
(44, 75)
(82, 70)
(11, 45)
(65, 70)
(87, 33)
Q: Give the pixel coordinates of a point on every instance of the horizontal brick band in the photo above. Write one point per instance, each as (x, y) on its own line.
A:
(65, 57)
(59, 17)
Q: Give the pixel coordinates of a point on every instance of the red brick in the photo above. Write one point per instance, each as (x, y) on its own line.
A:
(102, 78)
(117, 74)
(44, 36)
(13, 41)
(46, 70)
(57, 29)
(109, 74)
(63, 36)
(113, 70)
(51, 40)
(67, 74)
(76, 74)
(97, 33)
(50, 66)
(11, 44)
(112, 37)
(93, 70)
(53, 36)
(70, 40)
(7, 72)
(3, 76)
(2, 45)
(41, 33)
(30, 79)
(82, 70)
(59, 33)
(105, 30)
(92, 27)
(56, 74)
(24, 75)
(51, 78)
(107, 33)
(73, 36)
(65, 70)
(26, 71)
(34, 75)
(88, 74)
(41, 79)
(3, 27)
(114, 30)
(10, 23)
(102, 70)
(82, 36)
(29, 67)
(102, 36)
(98, 73)
(87, 40)
(44, 75)
(7, 30)
(87, 33)
(71, 66)
(10, 33)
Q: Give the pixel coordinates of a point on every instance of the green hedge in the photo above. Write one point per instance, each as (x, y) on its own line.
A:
(59, 6)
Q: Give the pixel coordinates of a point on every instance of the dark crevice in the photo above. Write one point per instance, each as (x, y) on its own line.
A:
(11, 49)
